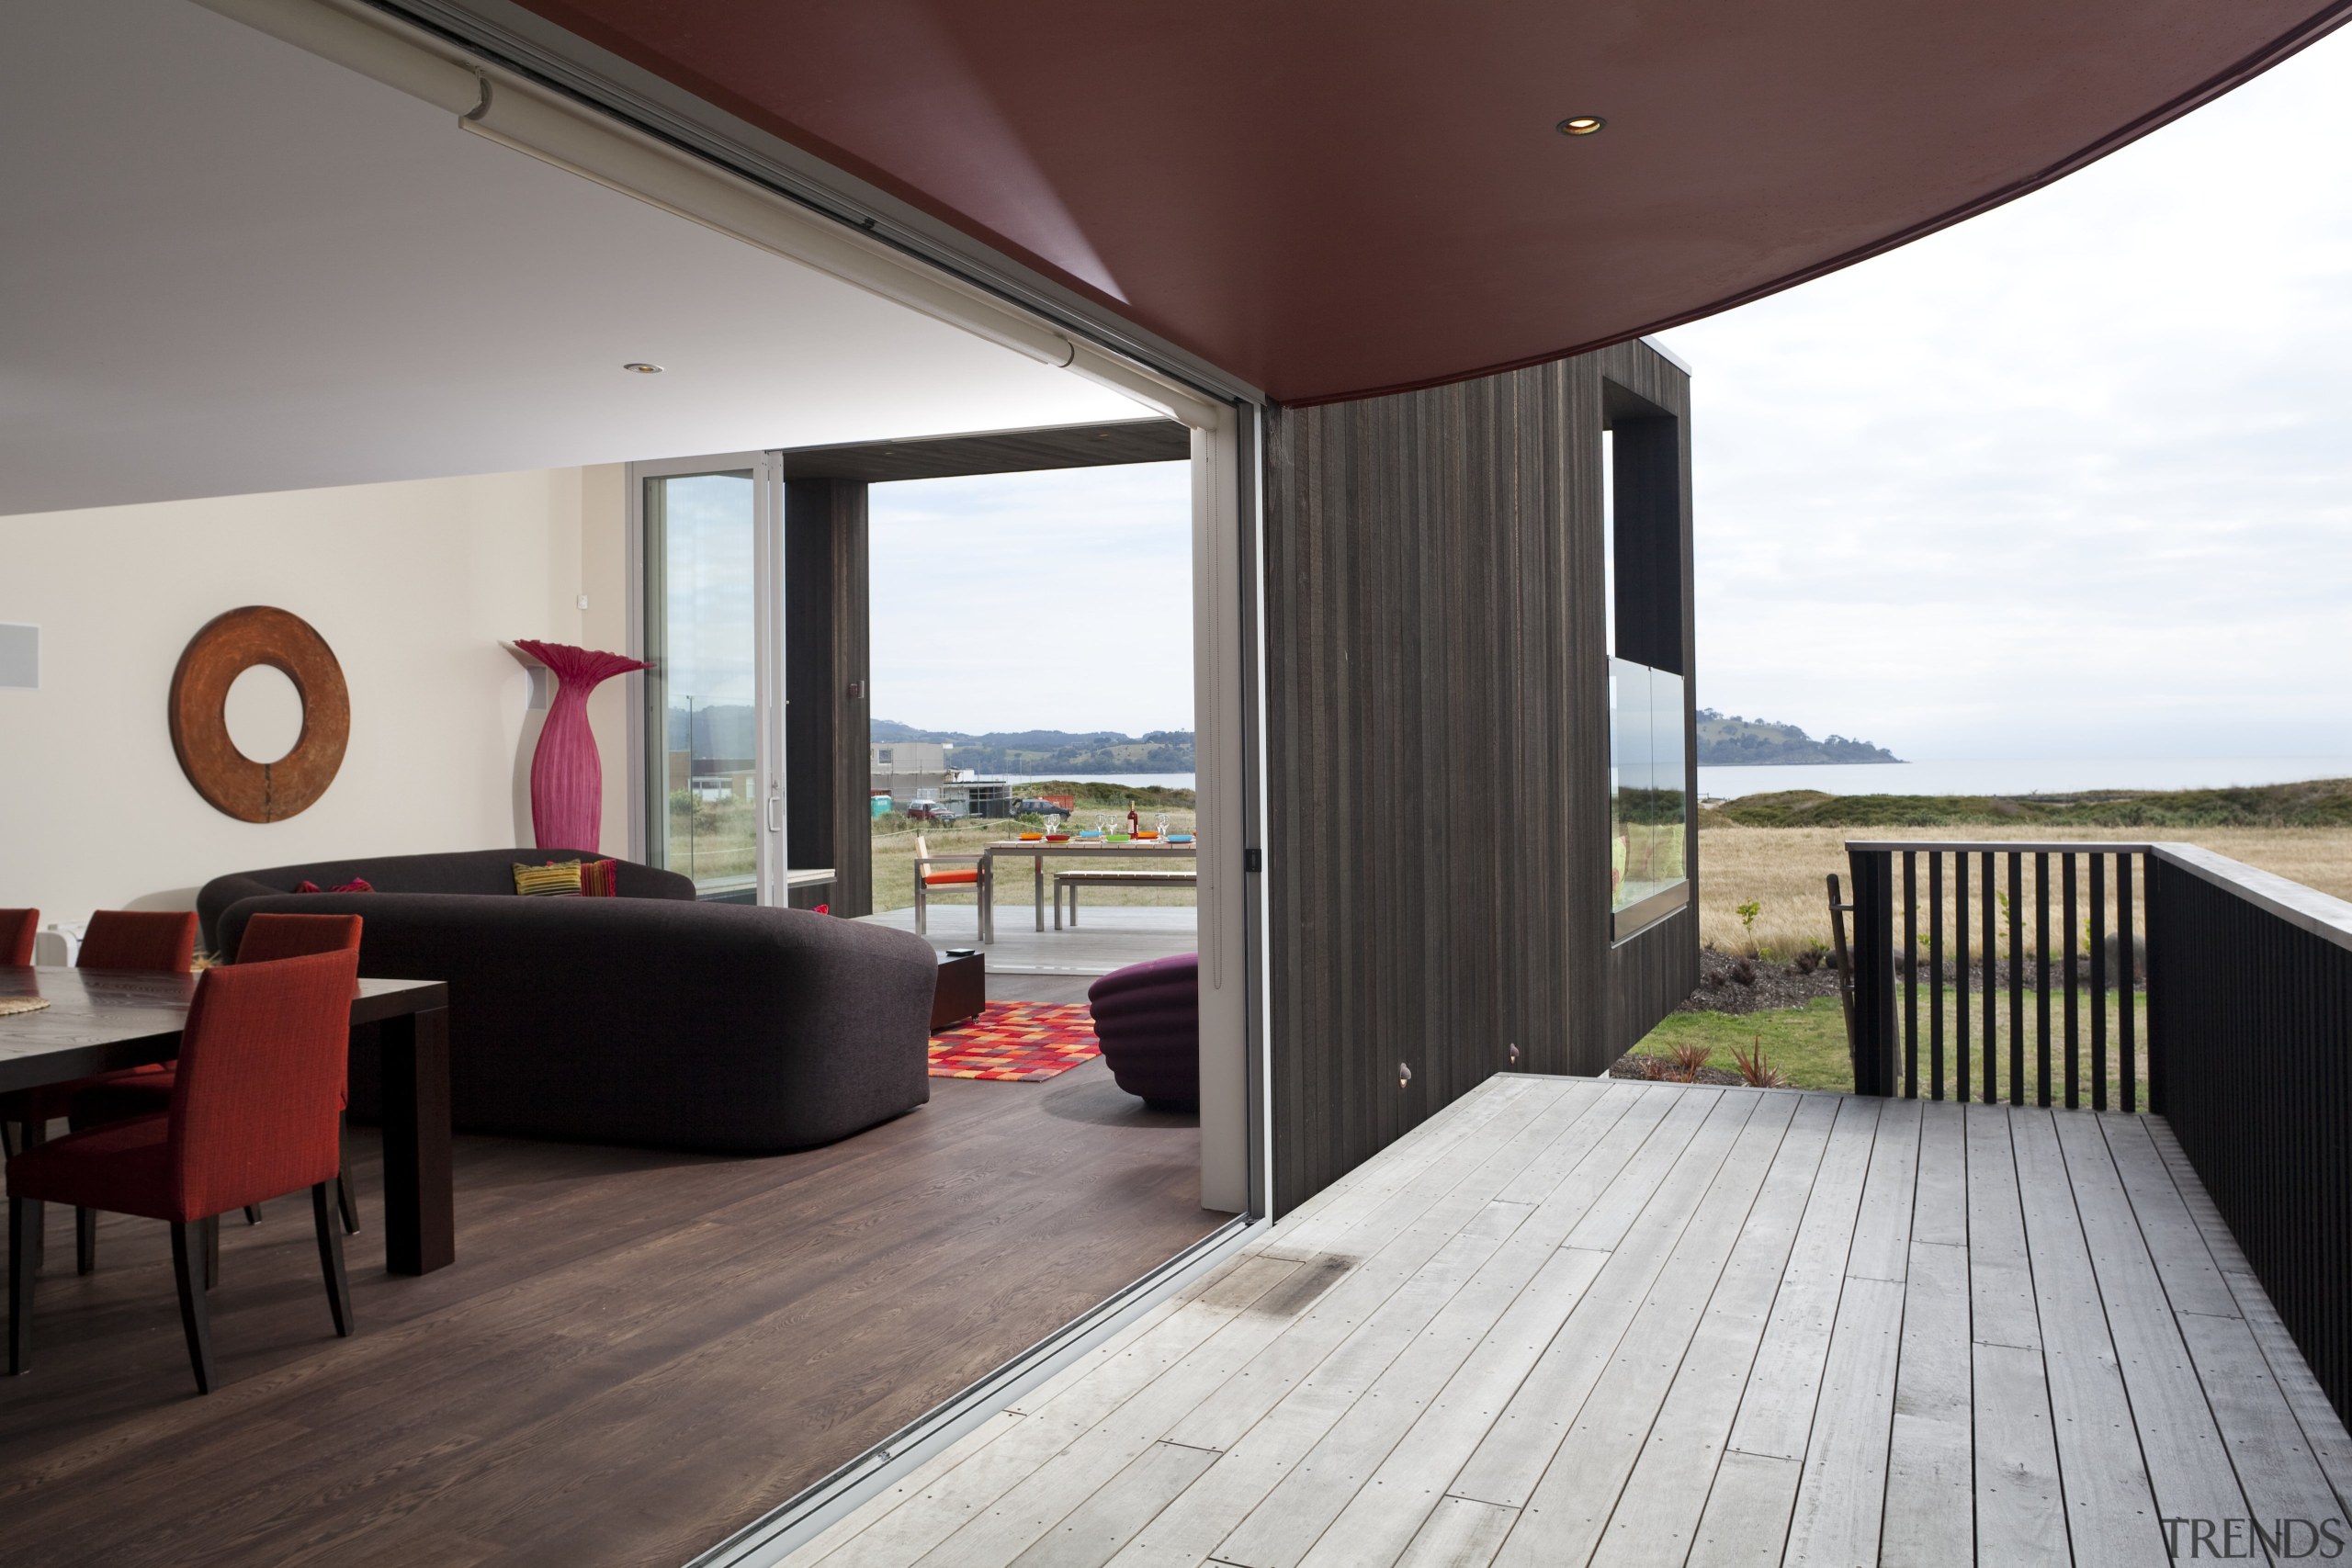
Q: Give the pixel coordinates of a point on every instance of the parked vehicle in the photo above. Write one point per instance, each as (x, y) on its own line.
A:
(932, 811)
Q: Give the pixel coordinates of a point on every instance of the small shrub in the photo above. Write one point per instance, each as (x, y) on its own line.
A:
(1744, 973)
(1754, 1070)
(1808, 961)
(1687, 1059)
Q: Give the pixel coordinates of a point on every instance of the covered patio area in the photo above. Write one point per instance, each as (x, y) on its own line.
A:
(1567, 1321)
(1112, 937)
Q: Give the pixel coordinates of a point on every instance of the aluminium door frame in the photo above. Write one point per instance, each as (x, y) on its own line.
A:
(598, 95)
(1228, 639)
(766, 467)
(1229, 784)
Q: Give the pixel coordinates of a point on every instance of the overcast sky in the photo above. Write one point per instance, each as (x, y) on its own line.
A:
(2072, 479)
(1052, 601)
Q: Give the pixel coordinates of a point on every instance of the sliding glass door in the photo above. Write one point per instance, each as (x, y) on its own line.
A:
(714, 579)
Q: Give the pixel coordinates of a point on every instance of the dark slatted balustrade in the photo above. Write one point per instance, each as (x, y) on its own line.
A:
(2162, 978)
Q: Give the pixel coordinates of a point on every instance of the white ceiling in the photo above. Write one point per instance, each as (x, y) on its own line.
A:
(229, 266)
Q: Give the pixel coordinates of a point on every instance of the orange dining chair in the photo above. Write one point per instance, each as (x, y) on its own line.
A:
(927, 881)
(256, 1097)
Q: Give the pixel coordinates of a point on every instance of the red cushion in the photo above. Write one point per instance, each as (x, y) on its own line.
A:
(123, 1167)
(948, 878)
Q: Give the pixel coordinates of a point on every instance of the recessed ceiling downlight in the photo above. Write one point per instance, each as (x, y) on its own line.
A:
(1581, 124)
(642, 368)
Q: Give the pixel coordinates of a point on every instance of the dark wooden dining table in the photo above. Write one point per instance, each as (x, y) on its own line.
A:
(99, 1020)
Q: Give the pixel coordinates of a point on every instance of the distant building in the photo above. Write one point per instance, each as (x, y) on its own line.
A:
(905, 768)
(908, 770)
(976, 796)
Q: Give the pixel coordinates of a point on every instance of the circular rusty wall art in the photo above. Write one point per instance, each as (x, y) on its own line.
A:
(228, 646)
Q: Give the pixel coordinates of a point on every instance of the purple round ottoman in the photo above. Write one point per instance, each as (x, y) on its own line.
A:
(1148, 1017)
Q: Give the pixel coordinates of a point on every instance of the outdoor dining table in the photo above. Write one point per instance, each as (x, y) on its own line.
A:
(1038, 852)
(100, 1021)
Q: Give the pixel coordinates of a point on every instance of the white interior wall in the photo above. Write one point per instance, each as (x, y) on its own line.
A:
(413, 584)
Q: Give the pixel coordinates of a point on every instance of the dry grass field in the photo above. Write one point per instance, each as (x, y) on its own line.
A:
(1783, 869)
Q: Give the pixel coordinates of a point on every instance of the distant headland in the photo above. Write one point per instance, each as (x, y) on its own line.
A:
(1736, 742)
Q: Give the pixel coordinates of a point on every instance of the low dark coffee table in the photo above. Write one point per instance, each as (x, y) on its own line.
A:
(962, 991)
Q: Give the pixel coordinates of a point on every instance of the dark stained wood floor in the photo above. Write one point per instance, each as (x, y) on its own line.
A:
(635, 1354)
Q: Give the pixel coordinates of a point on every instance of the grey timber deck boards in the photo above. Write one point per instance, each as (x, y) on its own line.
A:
(1569, 1322)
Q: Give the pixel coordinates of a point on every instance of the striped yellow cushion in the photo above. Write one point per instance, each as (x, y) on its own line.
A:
(548, 880)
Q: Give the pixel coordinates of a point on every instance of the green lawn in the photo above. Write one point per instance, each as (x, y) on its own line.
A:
(1808, 1043)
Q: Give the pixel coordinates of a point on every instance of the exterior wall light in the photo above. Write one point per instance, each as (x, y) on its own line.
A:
(1581, 124)
(642, 368)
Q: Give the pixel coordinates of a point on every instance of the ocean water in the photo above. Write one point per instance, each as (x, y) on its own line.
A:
(2026, 775)
(1133, 780)
(2023, 775)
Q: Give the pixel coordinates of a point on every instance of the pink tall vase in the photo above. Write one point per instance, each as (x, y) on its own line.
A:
(567, 776)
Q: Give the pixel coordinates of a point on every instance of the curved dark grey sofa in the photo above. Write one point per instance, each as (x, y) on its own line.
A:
(645, 1019)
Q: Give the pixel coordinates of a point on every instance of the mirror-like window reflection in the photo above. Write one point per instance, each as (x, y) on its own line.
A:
(1646, 800)
(708, 692)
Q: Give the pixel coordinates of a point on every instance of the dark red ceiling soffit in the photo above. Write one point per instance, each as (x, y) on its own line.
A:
(1333, 198)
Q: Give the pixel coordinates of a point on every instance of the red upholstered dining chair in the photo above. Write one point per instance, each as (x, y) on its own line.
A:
(140, 939)
(17, 929)
(160, 940)
(928, 881)
(142, 1091)
(255, 1104)
(268, 937)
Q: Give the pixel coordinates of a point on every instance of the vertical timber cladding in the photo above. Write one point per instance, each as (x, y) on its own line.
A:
(1437, 711)
(827, 679)
(1645, 402)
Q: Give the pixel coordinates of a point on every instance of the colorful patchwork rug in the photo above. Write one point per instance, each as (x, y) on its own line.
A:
(1017, 1042)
